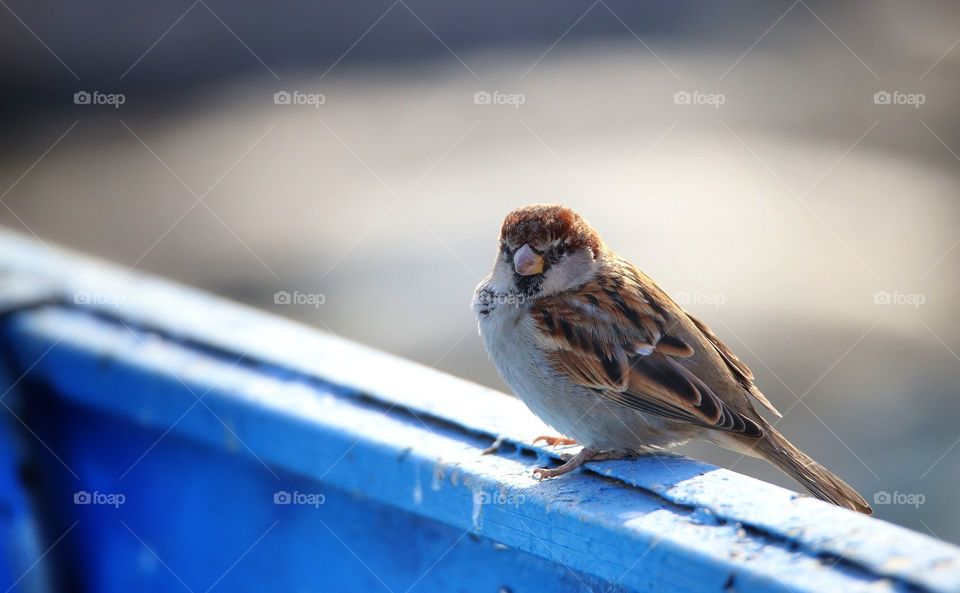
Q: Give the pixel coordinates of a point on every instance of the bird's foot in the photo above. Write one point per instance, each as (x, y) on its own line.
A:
(585, 455)
(554, 441)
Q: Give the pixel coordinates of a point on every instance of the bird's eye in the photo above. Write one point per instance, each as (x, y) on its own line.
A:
(555, 254)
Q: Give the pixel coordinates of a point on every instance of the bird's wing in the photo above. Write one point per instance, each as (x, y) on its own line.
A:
(609, 337)
(740, 371)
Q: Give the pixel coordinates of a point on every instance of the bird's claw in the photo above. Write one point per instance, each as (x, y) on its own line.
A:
(571, 463)
(552, 441)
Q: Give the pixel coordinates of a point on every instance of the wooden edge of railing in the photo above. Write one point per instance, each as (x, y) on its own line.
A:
(418, 433)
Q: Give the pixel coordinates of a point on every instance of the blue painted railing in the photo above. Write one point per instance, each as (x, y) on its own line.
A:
(155, 438)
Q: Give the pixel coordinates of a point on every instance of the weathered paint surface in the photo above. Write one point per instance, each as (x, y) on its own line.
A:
(392, 442)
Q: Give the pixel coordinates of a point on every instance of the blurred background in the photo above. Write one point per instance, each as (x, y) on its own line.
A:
(787, 171)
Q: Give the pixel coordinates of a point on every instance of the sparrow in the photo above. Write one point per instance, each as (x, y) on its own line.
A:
(605, 357)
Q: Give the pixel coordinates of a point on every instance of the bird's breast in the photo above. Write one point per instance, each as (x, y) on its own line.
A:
(573, 410)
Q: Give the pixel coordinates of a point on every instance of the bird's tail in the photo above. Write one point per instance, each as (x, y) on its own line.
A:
(818, 480)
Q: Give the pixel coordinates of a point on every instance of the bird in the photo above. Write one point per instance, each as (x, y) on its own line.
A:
(603, 355)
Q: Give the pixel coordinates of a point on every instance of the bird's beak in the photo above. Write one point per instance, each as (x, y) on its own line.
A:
(527, 262)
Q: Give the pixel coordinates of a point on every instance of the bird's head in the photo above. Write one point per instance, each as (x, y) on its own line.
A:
(545, 249)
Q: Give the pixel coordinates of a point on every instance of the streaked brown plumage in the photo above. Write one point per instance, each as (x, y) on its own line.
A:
(603, 355)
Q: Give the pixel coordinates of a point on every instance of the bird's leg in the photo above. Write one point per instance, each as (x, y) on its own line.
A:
(554, 441)
(495, 446)
(585, 455)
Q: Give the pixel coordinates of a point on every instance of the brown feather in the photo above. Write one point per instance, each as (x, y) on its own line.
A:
(740, 371)
(618, 346)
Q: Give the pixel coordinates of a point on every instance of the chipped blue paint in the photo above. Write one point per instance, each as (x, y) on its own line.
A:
(391, 446)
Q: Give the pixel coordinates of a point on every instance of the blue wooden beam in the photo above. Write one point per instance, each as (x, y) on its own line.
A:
(275, 403)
